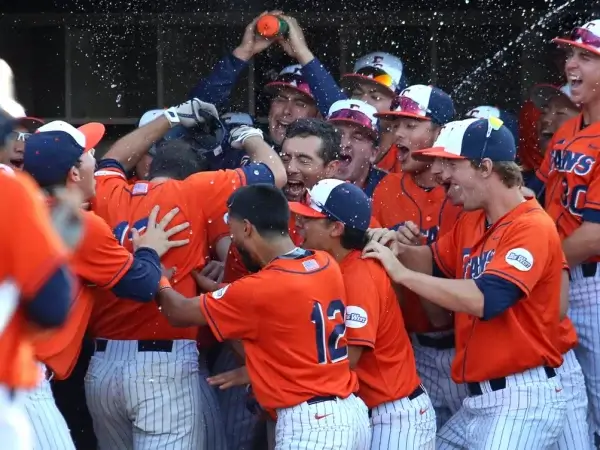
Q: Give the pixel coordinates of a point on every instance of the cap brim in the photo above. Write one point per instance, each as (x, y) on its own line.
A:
(570, 43)
(30, 123)
(349, 79)
(393, 114)
(94, 132)
(304, 210)
(370, 131)
(437, 152)
(275, 87)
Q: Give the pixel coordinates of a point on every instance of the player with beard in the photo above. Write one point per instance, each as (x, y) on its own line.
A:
(355, 121)
(414, 195)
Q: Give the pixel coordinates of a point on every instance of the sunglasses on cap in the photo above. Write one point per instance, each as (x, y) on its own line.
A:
(586, 37)
(377, 74)
(353, 115)
(295, 80)
(18, 136)
(408, 105)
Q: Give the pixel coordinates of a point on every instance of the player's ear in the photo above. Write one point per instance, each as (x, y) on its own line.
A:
(331, 168)
(248, 228)
(74, 174)
(336, 229)
(486, 167)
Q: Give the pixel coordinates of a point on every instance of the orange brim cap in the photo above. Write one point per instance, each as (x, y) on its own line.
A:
(437, 152)
(568, 42)
(94, 132)
(305, 211)
(385, 114)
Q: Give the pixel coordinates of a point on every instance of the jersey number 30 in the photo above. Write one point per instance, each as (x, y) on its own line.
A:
(327, 346)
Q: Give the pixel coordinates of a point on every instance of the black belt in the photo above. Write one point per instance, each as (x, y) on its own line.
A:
(143, 346)
(321, 399)
(589, 269)
(497, 384)
(445, 342)
(414, 394)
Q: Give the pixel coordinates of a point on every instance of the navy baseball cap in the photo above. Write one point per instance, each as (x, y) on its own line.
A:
(422, 102)
(336, 200)
(473, 139)
(49, 156)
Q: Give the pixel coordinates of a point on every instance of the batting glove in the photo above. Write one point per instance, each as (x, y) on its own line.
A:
(239, 134)
(191, 113)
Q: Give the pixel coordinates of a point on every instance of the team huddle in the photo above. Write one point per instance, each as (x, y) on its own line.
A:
(373, 271)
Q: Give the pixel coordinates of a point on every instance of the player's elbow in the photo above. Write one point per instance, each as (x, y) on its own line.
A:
(141, 281)
(49, 308)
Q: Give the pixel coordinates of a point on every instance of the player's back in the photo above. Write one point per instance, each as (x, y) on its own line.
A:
(387, 371)
(300, 351)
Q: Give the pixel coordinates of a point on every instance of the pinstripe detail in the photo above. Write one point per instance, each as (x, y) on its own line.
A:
(50, 430)
(434, 366)
(239, 423)
(576, 433)
(146, 400)
(214, 427)
(15, 428)
(584, 312)
(404, 424)
(344, 426)
(529, 414)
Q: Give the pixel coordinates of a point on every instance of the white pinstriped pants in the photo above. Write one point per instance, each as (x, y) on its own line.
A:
(343, 425)
(15, 429)
(50, 430)
(584, 312)
(529, 414)
(146, 400)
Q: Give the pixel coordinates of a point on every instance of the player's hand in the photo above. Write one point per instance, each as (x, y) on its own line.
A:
(381, 235)
(410, 234)
(214, 270)
(387, 258)
(253, 43)
(204, 283)
(66, 216)
(168, 273)
(226, 380)
(239, 135)
(191, 113)
(157, 236)
(295, 43)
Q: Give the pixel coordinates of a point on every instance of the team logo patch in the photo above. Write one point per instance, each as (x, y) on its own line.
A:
(140, 189)
(356, 317)
(310, 265)
(220, 293)
(520, 259)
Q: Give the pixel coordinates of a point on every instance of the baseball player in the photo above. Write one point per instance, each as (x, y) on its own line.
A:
(569, 172)
(500, 270)
(35, 294)
(415, 196)
(355, 121)
(138, 333)
(60, 155)
(402, 416)
(284, 362)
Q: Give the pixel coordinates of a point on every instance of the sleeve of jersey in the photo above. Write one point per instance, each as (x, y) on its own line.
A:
(591, 208)
(110, 178)
(31, 245)
(101, 260)
(322, 85)
(232, 312)
(444, 252)
(362, 309)
(521, 256)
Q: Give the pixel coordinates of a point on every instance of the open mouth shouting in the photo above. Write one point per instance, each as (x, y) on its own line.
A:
(403, 153)
(17, 162)
(294, 190)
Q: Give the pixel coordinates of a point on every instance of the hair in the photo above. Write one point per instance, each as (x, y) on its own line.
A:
(331, 141)
(176, 159)
(509, 172)
(353, 239)
(264, 206)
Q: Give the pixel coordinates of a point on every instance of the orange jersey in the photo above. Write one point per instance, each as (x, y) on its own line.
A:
(290, 318)
(99, 262)
(397, 200)
(201, 199)
(390, 162)
(572, 177)
(386, 369)
(524, 248)
(567, 336)
(31, 253)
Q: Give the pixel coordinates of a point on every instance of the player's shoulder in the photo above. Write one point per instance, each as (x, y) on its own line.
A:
(357, 270)
(390, 179)
(94, 225)
(111, 168)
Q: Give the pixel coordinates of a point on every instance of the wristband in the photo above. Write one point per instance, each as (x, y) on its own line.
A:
(164, 284)
(172, 117)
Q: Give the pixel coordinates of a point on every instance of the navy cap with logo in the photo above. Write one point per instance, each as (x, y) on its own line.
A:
(473, 139)
(50, 155)
(336, 200)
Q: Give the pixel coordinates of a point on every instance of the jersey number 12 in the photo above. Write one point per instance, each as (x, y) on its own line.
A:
(329, 344)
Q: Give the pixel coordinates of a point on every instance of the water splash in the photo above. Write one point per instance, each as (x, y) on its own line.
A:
(541, 22)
